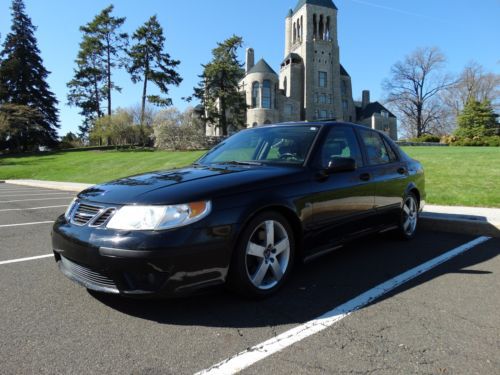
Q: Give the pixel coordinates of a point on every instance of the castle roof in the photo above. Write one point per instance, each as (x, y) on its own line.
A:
(343, 72)
(371, 109)
(321, 3)
(261, 67)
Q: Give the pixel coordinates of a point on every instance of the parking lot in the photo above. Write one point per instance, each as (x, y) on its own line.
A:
(444, 321)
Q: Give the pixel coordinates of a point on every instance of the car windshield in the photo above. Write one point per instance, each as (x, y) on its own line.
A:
(288, 145)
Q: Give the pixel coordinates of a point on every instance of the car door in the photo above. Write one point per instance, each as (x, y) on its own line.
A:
(343, 202)
(389, 175)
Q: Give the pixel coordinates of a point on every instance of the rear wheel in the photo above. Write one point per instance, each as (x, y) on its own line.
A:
(264, 256)
(409, 217)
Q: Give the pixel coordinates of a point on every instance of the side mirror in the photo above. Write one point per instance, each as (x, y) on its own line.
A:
(337, 165)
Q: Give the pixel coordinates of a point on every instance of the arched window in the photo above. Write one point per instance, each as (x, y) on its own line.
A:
(301, 27)
(267, 122)
(327, 29)
(294, 32)
(315, 27)
(266, 94)
(255, 94)
(321, 27)
(254, 124)
(285, 86)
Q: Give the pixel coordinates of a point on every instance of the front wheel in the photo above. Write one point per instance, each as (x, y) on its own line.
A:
(264, 256)
(409, 217)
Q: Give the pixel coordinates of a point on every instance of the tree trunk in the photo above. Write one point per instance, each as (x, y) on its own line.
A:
(108, 73)
(143, 104)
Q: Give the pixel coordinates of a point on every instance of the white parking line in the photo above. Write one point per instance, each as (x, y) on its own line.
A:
(25, 195)
(263, 350)
(25, 259)
(24, 224)
(32, 208)
(31, 200)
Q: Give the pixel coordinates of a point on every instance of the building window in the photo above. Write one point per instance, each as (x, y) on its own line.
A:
(323, 114)
(288, 109)
(322, 77)
(322, 99)
(384, 114)
(345, 106)
(330, 99)
(255, 94)
(285, 86)
(254, 125)
(266, 94)
(344, 88)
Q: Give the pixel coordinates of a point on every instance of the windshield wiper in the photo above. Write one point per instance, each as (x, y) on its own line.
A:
(236, 162)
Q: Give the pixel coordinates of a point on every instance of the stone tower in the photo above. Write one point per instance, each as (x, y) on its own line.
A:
(311, 70)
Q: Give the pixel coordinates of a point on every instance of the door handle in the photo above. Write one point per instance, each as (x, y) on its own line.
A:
(401, 170)
(365, 177)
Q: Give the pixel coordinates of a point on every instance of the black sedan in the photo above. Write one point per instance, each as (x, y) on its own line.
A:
(242, 214)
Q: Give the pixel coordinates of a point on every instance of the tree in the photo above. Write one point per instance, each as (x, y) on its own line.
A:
(474, 83)
(117, 129)
(108, 44)
(86, 89)
(174, 130)
(19, 128)
(414, 88)
(477, 120)
(23, 83)
(150, 63)
(218, 89)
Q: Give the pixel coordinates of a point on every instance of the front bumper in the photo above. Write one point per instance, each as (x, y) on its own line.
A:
(160, 263)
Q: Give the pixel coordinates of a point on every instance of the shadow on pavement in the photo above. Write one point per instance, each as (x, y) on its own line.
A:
(314, 288)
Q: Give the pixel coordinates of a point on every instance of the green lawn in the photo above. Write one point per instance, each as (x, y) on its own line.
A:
(460, 176)
(468, 176)
(91, 166)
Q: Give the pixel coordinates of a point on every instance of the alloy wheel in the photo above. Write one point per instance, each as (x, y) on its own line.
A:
(410, 215)
(267, 254)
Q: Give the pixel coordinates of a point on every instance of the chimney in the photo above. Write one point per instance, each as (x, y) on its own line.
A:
(366, 99)
(250, 59)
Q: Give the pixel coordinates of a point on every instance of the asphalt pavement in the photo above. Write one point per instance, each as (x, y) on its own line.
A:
(444, 321)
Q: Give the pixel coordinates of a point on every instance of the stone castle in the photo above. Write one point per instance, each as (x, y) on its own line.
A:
(312, 84)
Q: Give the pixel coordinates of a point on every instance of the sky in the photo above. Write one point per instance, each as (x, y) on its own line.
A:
(373, 35)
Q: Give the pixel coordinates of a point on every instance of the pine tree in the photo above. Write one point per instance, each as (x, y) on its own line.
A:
(23, 82)
(86, 89)
(109, 45)
(218, 89)
(477, 120)
(150, 63)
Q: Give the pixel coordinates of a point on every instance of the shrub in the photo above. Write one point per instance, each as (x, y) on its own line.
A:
(426, 138)
(178, 131)
(493, 141)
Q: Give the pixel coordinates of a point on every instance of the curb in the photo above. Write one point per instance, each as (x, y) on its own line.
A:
(66, 186)
(472, 227)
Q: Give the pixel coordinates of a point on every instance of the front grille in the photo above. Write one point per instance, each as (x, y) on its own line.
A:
(103, 218)
(89, 278)
(84, 213)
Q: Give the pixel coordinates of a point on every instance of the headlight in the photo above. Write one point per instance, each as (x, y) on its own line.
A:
(158, 217)
(69, 210)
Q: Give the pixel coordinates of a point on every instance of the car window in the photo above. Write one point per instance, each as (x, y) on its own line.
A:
(376, 152)
(340, 142)
(280, 144)
(392, 155)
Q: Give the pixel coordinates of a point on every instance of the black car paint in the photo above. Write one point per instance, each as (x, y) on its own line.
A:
(325, 211)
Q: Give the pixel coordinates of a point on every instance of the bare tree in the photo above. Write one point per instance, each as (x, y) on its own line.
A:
(473, 84)
(413, 91)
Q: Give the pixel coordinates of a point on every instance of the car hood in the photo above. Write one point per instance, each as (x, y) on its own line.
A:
(188, 184)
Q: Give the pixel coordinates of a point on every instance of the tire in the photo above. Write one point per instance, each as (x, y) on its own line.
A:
(408, 221)
(263, 257)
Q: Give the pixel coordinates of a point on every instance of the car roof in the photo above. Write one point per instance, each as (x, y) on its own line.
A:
(318, 123)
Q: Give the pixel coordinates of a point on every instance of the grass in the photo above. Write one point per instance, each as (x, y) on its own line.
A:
(91, 166)
(459, 176)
